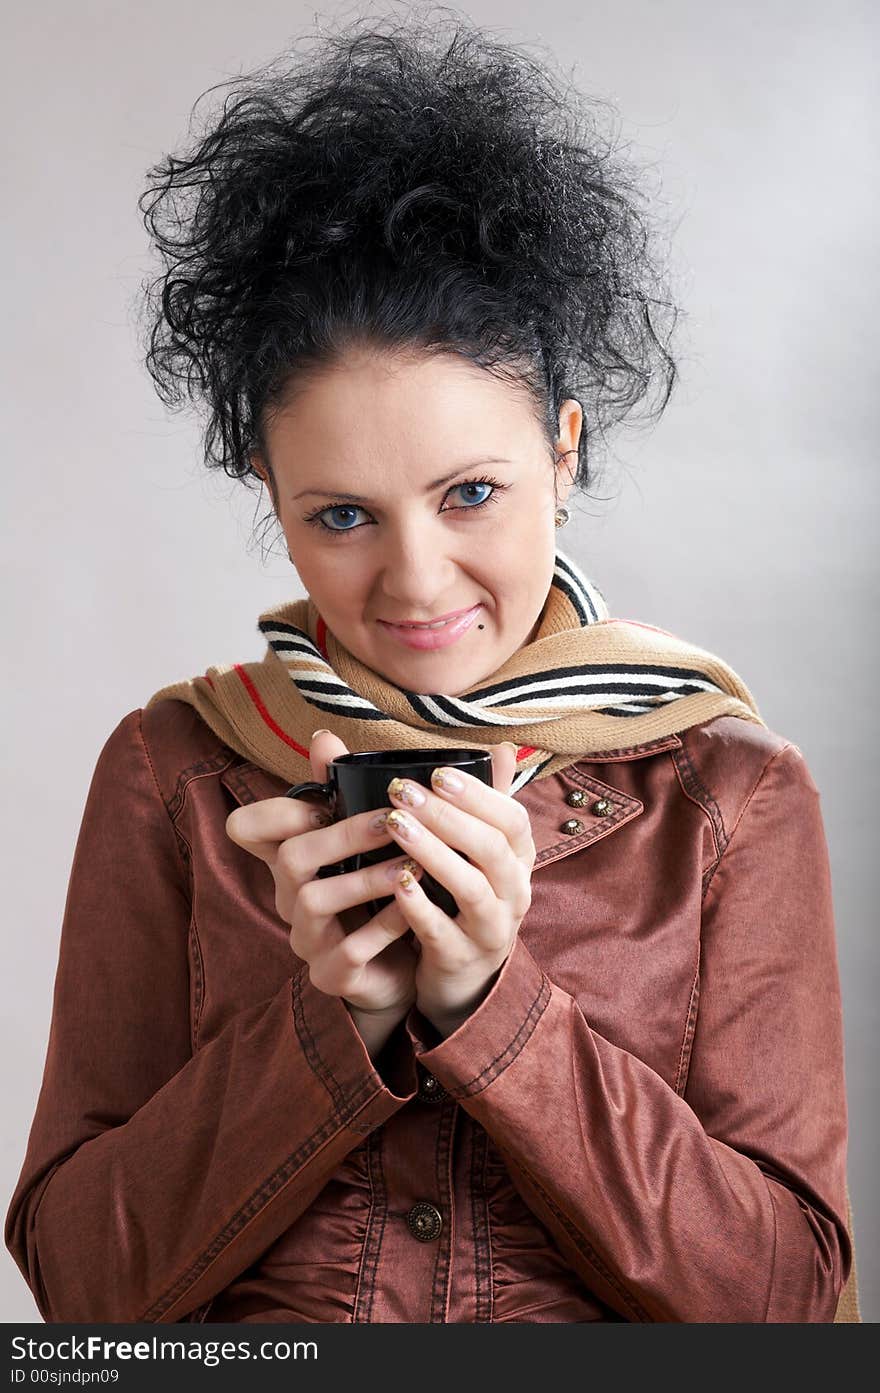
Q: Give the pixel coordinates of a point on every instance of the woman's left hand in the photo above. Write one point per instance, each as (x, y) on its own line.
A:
(460, 958)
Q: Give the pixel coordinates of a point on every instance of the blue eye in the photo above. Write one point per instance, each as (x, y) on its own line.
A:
(342, 508)
(350, 510)
(476, 484)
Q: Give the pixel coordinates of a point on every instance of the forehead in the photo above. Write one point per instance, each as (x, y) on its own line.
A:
(412, 409)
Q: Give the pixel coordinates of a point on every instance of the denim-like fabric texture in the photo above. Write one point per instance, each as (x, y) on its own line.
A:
(644, 1119)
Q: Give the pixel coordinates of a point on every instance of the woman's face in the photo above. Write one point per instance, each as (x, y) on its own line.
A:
(410, 488)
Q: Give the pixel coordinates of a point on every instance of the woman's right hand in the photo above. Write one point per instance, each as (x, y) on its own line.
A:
(368, 961)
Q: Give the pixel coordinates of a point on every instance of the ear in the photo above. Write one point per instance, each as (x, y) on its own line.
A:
(264, 469)
(571, 418)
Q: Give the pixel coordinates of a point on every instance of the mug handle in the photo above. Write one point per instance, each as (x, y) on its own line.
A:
(297, 790)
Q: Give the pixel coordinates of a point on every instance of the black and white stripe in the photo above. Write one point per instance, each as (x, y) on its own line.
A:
(525, 776)
(626, 689)
(586, 598)
(323, 689)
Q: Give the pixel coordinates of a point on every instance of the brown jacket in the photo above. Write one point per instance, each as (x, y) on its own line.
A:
(645, 1119)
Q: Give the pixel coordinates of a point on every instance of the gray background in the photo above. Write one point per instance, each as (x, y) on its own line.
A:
(746, 521)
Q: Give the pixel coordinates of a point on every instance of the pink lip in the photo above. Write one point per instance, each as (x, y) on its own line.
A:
(450, 614)
(435, 638)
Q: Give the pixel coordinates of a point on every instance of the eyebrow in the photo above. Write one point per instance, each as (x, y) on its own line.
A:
(437, 483)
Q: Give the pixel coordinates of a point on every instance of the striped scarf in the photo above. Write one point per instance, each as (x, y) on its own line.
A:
(586, 684)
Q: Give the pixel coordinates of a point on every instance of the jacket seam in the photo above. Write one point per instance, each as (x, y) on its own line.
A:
(787, 746)
(217, 764)
(684, 1057)
(775, 1246)
(445, 1183)
(180, 796)
(310, 1048)
(660, 745)
(708, 877)
(197, 970)
(608, 824)
(692, 786)
(374, 1234)
(180, 840)
(254, 1205)
(194, 947)
(156, 784)
(484, 1301)
(357, 1300)
(505, 1057)
(581, 1242)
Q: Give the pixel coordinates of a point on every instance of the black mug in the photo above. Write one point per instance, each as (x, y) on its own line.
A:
(357, 783)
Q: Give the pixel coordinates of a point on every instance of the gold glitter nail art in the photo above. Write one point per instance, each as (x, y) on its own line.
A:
(406, 792)
(445, 778)
(400, 823)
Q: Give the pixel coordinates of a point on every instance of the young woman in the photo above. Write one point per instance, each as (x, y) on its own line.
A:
(414, 290)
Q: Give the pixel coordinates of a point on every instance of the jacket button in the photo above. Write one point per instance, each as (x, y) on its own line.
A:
(572, 825)
(425, 1222)
(576, 799)
(429, 1089)
(602, 807)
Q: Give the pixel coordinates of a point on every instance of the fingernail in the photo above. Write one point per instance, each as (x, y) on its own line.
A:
(403, 826)
(321, 819)
(449, 782)
(406, 792)
(319, 732)
(394, 868)
(379, 823)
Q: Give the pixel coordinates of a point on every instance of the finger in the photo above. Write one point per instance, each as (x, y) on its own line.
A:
(265, 826)
(325, 899)
(459, 807)
(369, 941)
(503, 765)
(431, 926)
(472, 888)
(491, 873)
(323, 747)
(302, 857)
(316, 930)
(260, 827)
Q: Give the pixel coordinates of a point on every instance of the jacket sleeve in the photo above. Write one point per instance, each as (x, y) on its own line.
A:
(724, 1203)
(153, 1175)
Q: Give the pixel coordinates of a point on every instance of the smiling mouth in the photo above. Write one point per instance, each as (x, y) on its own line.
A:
(433, 624)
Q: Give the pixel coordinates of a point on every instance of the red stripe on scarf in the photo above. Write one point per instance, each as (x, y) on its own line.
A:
(258, 703)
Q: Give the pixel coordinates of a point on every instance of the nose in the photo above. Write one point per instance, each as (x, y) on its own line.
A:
(418, 574)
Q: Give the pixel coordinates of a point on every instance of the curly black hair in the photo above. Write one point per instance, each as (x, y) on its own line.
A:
(407, 190)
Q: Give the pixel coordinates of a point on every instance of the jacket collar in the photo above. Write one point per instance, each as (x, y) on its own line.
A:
(546, 800)
(577, 796)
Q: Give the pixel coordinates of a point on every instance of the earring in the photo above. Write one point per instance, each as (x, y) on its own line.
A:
(562, 516)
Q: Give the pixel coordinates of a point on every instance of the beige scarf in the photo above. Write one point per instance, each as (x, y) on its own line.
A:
(586, 684)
